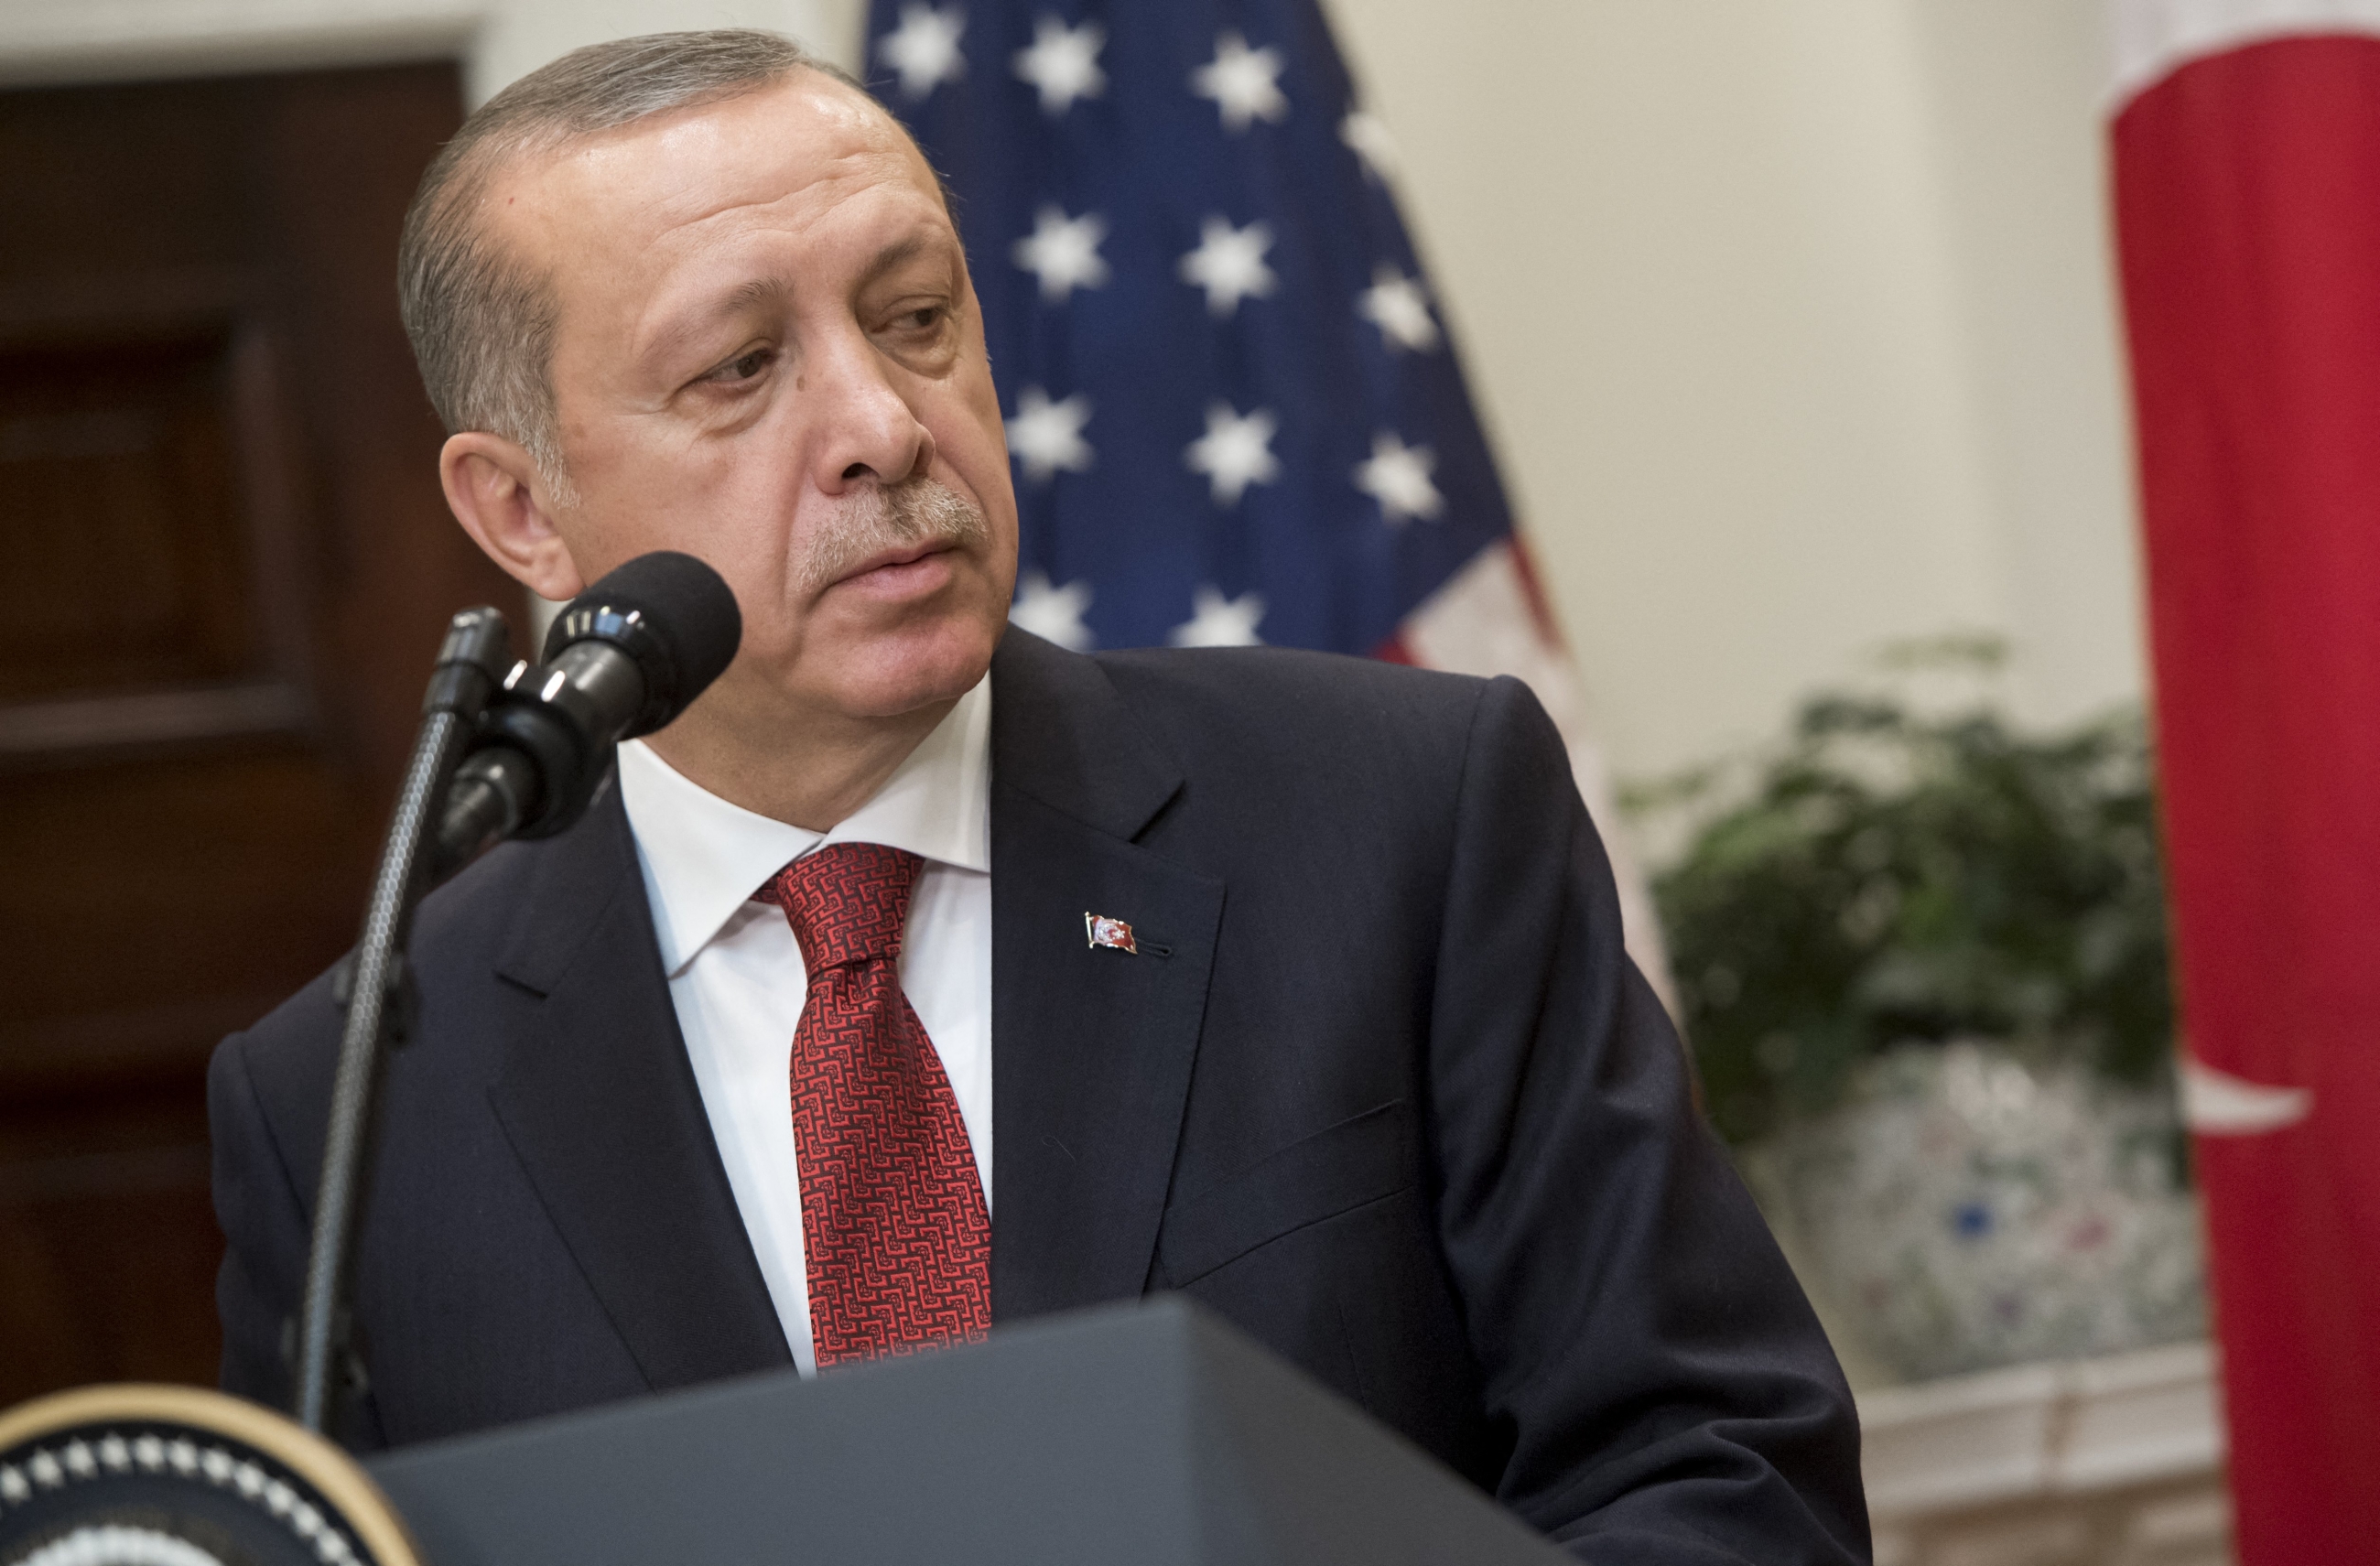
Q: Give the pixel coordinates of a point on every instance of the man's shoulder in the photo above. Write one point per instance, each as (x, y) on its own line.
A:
(1262, 727)
(1316, 684)
(1321, 713)
(1291, 703)
(292, 1050)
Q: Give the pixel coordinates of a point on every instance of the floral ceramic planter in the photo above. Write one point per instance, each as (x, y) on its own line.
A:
(1965, 1209)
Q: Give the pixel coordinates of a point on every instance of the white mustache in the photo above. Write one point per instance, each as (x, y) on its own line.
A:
(915, 512)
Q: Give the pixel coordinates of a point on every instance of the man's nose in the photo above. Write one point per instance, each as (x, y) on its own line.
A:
(867, 429)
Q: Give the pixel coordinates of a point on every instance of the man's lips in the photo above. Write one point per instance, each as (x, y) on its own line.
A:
(898, 568)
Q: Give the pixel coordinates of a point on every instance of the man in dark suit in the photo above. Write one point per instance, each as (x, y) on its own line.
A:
(1293, 983)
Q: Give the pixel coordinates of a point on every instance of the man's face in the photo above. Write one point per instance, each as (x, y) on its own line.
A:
(768, 353)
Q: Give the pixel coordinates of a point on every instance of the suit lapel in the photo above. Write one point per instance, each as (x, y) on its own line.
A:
(1091, 1047)
(601, 1105)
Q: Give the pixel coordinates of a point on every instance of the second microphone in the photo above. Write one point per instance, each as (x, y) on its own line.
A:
(627, 656)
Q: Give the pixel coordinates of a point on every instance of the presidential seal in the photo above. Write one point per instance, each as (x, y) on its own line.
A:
(147, 1476)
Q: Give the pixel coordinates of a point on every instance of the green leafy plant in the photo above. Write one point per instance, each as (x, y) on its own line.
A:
(1894, 876)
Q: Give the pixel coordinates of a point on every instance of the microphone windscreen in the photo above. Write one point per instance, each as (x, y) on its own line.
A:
(671, 613)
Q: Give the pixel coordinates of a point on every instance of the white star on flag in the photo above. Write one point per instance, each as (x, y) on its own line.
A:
(1397, 475)
(1046, 436)
(1063, 252)
(1234, 452)
(1397, 305)
(1062, 63)
(1054, 613)
(1217, 621)
(925, 48)
(1229, 264)
(1241, 81)
(1368, 136)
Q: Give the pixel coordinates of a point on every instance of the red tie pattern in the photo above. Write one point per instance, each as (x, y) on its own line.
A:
(893, 1221)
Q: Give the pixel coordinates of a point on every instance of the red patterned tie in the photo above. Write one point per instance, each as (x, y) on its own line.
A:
(894, 1220)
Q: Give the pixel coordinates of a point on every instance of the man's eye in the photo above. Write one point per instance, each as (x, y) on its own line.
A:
(746, 366)
(921, 319)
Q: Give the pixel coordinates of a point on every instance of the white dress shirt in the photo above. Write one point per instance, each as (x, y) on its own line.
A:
(737, 979)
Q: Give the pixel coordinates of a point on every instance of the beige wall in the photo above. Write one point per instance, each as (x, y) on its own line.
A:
(1791, 318)
(2018, 87)
(521, 35)
(1793, 328)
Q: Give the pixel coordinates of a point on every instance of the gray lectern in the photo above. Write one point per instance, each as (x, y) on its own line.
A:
(1150, 1434)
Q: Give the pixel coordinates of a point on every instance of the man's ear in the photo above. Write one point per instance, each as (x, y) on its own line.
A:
(493, 488)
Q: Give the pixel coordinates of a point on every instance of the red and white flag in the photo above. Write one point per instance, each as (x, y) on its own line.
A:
(2247, 185)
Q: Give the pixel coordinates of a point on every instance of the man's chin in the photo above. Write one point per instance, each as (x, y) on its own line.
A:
(892, 676)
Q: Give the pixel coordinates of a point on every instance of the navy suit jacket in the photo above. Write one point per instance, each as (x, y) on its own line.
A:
(1381, 1087)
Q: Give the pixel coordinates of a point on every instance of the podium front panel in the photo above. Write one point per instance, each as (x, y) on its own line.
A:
(1150, 1433)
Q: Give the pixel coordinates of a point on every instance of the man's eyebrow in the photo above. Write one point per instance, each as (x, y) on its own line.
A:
(897, 254)
(744, 295)
(773, 292)
(689, 324)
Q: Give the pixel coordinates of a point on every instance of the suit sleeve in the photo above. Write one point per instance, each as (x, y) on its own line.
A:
(1668, 1394)
(266, 1233)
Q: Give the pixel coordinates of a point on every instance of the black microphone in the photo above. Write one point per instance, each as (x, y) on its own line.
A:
(628, 655)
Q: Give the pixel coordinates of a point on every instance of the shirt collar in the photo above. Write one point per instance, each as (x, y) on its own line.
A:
(703, 857)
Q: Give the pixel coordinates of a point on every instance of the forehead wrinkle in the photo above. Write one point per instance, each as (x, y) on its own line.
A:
(797, 212)
(835, 182)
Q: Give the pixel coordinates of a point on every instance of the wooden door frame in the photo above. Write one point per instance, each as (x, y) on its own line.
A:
(75, 42)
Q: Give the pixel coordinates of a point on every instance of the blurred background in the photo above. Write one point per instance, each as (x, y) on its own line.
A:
(1793, 331)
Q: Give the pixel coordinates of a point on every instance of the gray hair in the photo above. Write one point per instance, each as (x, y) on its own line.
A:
(483, 321)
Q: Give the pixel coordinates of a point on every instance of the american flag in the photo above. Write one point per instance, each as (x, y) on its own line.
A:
(1233, 406)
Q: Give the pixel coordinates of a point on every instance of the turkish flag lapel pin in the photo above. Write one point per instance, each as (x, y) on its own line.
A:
(1113, 934)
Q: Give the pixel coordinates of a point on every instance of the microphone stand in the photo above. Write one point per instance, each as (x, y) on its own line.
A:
(471, 664)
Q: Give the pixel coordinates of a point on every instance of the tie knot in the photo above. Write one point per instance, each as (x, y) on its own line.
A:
(846, 902)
